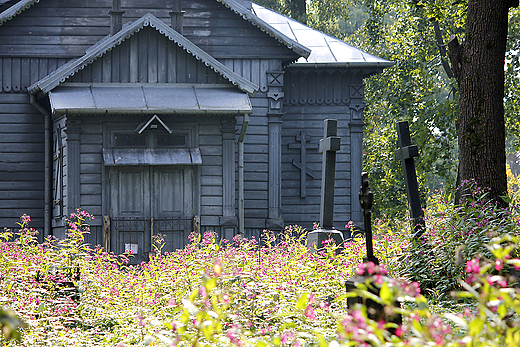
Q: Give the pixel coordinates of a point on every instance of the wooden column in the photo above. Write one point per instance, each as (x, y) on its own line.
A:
(356, 150)
(228, 221)
(72, 170)
(275, 112)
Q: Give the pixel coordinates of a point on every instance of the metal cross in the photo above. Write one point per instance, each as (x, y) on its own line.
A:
(366, 199)
(329, 145)
(406, 153)
(301, 143)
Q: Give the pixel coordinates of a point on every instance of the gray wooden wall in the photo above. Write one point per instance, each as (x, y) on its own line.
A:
(68, 28)
(21, 161)
(311, 97)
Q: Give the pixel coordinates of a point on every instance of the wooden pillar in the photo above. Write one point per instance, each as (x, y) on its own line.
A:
(356, 151)
(275, 112)
(228, 221)
(72, 170)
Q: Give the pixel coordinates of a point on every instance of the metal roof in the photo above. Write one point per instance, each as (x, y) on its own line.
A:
(115, 98)
(325, 50)
(52, 80)
(152, 156)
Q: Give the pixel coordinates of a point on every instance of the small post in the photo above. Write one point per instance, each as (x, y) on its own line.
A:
(329, 145)
(406, 152)
(366, 199)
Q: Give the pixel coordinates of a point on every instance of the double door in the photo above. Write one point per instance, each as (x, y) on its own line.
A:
(147, 203)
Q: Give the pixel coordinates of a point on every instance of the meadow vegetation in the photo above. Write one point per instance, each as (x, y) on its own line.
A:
(453, 287)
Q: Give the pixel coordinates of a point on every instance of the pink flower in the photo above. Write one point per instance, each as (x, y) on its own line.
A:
(472, 266)
(499, 264)
(309, 312)
(139, 316)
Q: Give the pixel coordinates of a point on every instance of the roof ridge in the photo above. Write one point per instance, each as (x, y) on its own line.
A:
(107, 43)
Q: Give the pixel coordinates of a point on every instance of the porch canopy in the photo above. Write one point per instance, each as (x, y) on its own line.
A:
(152, 156)
(125, 98)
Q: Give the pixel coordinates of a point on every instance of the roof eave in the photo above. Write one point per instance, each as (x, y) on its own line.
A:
(16, 9)
(368, 65)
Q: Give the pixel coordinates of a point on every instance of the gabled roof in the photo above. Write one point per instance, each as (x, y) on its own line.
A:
(266, 27)
(17, 8)
(325, 50)
(109, 42)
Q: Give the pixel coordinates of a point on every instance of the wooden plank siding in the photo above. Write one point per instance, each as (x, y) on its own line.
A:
(148, 57)
(309, 99)
(16, 74)
(68, 28)
(21, 161)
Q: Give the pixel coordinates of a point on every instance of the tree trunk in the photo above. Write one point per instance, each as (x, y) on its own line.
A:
(298, 9)
(478, 65)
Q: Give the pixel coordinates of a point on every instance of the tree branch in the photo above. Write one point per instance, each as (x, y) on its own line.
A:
(455, 54)
(442, 49)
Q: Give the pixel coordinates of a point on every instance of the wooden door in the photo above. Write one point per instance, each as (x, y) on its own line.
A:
(146, 202)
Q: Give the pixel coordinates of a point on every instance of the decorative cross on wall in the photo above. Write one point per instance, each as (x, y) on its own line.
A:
(302, 143)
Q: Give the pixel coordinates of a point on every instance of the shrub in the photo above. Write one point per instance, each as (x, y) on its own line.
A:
(455, 235)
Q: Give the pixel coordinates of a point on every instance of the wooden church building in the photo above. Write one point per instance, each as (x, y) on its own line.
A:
(161, 117)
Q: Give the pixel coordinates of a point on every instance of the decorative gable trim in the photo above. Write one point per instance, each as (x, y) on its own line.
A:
(67, 70)
(266, 27)
(16, 9)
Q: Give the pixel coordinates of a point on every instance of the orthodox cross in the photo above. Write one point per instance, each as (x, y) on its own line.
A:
(366, 199)
(329, 145)
(406, 153)
(301, 142)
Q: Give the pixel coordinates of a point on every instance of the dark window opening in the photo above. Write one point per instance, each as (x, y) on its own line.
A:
(167, 140)
(129, 141)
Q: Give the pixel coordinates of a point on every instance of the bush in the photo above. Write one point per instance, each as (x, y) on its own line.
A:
(455, 235)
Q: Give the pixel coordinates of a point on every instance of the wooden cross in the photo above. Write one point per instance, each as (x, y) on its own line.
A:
(329, 145)
(406, 153)
(301, 143)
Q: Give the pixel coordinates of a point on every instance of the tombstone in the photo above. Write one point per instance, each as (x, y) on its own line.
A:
(406, 152)
(329, 145)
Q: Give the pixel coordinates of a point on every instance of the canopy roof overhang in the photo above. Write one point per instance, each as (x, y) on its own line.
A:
(152, 156)
(133, 98)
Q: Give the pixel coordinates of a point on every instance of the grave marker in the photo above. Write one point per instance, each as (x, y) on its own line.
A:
(375, 310)
(366, 199)
(329, 145)
(406, 153)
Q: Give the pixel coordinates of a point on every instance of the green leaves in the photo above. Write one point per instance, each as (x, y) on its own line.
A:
(10, 324)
